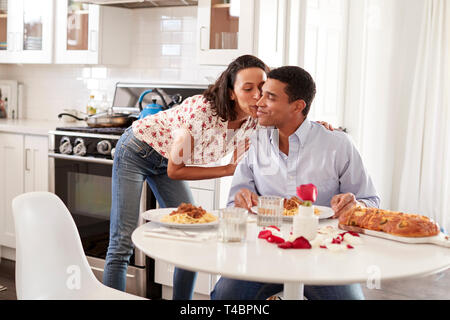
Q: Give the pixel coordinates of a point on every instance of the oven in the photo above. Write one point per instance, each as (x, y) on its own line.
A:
(81, 177)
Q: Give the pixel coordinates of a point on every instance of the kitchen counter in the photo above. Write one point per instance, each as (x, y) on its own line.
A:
(36, 127)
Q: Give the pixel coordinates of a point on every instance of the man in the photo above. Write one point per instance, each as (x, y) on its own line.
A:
(296, 151)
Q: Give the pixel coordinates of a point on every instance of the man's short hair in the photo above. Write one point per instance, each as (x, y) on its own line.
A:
(299, 84)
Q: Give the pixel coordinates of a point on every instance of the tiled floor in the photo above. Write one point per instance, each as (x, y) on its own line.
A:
(434, 287)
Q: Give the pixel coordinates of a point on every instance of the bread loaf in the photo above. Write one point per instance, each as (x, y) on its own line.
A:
(392, 222)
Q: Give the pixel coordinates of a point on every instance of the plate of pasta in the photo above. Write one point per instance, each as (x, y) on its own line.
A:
(186, 216)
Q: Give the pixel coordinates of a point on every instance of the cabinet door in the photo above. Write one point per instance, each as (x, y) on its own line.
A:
(11, 183)
(225, 30)
(36, 163)
(77, 28)
(33, 39)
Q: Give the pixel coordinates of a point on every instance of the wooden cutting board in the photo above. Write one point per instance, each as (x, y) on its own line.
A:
(440, 239)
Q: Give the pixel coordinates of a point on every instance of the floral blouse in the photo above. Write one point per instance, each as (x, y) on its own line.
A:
(212, 139)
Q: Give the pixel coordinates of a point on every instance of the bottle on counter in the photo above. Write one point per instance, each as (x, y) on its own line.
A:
(90, 108)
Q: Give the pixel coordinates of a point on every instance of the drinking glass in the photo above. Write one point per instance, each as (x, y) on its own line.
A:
(270, 211)
(232, 224)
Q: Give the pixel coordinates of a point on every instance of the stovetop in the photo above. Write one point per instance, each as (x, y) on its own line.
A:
(111, 130)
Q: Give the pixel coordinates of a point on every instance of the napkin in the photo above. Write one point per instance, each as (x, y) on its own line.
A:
(179, 234)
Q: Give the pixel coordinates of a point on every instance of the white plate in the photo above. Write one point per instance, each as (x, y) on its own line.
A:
(325, 212)
(155, 216)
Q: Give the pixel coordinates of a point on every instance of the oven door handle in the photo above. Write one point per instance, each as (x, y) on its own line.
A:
(78, 158)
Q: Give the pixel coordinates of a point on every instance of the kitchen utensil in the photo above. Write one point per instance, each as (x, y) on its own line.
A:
(105, 119)
(72, 112)
(154, 107)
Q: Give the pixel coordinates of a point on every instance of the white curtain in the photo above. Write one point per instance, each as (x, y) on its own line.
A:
(425, 176)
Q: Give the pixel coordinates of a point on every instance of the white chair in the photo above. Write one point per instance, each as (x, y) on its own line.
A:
(50, 261)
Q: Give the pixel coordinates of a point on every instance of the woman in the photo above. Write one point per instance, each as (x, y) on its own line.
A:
(202, 130)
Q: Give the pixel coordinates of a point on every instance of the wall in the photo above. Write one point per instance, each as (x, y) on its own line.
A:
(163, 50)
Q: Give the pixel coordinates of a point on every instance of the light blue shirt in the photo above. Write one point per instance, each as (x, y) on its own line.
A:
(328, 159)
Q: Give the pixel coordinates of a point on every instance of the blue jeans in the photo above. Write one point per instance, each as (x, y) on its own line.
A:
(135, 162)
(230, 289)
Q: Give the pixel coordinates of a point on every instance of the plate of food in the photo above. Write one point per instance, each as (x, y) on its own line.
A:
(186, 216)
(291, 209)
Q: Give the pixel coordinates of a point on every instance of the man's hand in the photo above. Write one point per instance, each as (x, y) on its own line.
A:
(244, 198)
(343, 202)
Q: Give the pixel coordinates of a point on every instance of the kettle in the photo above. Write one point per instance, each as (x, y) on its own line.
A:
(152, 108)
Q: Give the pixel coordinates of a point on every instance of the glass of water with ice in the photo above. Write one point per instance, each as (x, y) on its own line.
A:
(232, 224)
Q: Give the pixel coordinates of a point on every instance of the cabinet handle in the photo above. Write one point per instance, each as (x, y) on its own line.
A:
(27, 151)
(201, 38)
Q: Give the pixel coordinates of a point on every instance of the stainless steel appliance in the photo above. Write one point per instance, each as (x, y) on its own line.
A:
(81, 160)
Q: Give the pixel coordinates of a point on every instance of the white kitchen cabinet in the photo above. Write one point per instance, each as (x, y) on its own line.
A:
(11, 183)
(23, 168)
(92, 34)
(225, 30)
(36, 163)
(29, 31)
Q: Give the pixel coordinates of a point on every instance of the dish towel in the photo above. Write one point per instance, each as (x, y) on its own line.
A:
(178, 234)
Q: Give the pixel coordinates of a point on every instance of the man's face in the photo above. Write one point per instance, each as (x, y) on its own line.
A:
(274, 108)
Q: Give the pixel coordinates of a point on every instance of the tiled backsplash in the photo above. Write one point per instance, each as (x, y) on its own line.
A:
(163, 50)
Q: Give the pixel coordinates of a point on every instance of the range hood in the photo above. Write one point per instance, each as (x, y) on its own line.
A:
(136, 4)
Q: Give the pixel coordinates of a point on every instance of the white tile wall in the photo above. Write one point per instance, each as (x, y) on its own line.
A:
(163, 50)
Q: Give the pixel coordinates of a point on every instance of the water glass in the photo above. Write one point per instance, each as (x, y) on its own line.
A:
(270, 211)
(232, 224)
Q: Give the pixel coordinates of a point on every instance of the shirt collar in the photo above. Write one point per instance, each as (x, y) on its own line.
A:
(301, 132)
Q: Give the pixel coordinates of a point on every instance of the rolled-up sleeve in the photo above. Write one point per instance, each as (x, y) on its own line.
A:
(243, 177)
(353, 176)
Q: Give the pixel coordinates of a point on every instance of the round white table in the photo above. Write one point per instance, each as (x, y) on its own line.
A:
(257, 260)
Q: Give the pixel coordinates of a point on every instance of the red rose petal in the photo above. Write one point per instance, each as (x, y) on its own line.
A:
(324, 247)
(286, 245)
(349, 246)
(274, 227)
(275, 239)
(264, 234)
(301, 243)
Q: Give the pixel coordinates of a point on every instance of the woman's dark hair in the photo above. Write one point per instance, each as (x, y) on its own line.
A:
(299, 84)
(218, 94)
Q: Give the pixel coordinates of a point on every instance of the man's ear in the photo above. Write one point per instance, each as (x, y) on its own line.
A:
(299, 105)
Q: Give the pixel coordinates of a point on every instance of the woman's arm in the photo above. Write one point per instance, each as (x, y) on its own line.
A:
(182, 150)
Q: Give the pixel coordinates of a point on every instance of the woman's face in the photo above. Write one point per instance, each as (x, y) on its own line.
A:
(247, 91)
